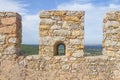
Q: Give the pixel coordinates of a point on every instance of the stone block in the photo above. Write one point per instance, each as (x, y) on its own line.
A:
(75, 26)
(65, 66)
(77, 33)
(44, 33)
(10, 50)
(8, 21)
(55, 27)
(61, 32)
(111, 15)
(78, 54)
(75, 41)
(45, 14)
(58, 18)
(112, 24)
(47, 22)
(9, 29)
(58, 13)
(71, 36)
(2, 39)
(46, 40)
(44, 27)
(58, 38)
(13, 40)
(65, 25)
(72, 18)
(10, 14)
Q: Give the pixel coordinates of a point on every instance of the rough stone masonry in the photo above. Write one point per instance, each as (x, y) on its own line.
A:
(62, 27)
(58, 27)
(10, 33)
(111, 34)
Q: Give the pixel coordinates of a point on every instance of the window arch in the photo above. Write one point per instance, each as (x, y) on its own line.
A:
(60, 48)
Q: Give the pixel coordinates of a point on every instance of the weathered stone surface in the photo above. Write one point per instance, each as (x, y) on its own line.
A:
(44, 14)
(78, 54)
(10, 50)
(13, 40)
(111, 15)
(44, 33)
(58, 18)
(65, 67)
(0, 54)
(75, 26)
(58, 13)
(57, 38)
(110, 33)
(75, 41)
(44, 27)
(65, 27)
(10, 14)
(77, 33)
(2, 39)
(10, 33)
(72, 18)
(46, 40)
(64, 59)
(32, 57)
(72, 59)
(8, 21)
(9, 29)
(47, 21)
(112, 24)
(61, 32)
(72, 67)
(55, 27)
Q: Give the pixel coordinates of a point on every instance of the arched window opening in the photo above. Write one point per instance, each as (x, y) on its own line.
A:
(61, 49)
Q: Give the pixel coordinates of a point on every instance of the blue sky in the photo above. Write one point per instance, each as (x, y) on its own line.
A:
(30, 9)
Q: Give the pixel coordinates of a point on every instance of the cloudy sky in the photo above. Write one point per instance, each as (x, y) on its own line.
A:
(30, 9)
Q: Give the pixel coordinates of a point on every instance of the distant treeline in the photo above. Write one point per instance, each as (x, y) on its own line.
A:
(90, 50)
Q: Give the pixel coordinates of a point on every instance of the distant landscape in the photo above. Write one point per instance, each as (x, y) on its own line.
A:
(93, 50)
(29, 49)
(90, 50)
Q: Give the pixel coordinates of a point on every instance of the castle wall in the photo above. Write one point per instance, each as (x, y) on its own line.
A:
(111, 34)
(63, 68)
(46, 66)
(10, 33)
(62, 26)
(60, 68)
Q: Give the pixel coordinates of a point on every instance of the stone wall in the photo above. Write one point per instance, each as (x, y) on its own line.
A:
(62, 26)
(64, 68)
(10, 33)
(111, 34)
(50, 67)
(60, 68)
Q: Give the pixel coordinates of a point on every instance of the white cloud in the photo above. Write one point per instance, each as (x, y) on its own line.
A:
(75, 6)
(30, 22)
(93, 19)
(12, 5)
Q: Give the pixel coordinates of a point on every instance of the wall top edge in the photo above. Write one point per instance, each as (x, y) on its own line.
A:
(46, 13)
(10, 14)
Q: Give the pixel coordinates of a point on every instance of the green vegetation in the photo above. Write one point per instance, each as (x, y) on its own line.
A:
(30, 49)
(93, 50)
(89, 50)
